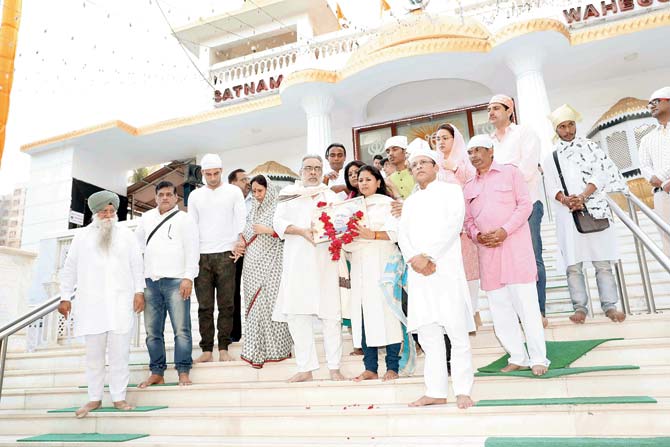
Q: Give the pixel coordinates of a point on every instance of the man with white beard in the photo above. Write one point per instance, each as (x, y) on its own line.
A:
(105, 263)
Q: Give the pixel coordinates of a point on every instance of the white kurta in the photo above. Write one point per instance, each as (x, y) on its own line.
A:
(431, 224)
(368, 262)
(106, 282)
(310, 279)
(575, 247)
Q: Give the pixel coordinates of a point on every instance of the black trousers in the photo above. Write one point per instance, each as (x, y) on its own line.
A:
(236, 334)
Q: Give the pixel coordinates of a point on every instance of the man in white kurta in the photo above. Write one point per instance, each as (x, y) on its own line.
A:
(105, 264)
(309, 288)
(655, 158)
(588, 174)
(429, 238)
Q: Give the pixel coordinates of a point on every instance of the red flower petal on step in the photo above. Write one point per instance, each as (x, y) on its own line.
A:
(321, 204)
(371, 407)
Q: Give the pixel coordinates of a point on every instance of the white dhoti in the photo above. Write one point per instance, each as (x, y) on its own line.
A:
(301, 328)
(117, 347)
(662, 208)
(435, 372)
(510, 304)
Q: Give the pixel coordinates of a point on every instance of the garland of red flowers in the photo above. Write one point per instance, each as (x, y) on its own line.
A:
(347, 237)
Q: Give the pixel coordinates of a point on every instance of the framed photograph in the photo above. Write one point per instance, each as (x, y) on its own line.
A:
(339, 214)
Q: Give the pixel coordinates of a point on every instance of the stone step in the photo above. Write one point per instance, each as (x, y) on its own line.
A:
(649, 380)
(382, 420)
(635, 326)
(640, 352)
(254, 441)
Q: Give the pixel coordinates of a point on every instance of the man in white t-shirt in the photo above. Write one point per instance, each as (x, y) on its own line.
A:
(336, 154)
(219, 212)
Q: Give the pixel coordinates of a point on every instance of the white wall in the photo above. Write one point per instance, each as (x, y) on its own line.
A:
(48, 195)
(103, 171)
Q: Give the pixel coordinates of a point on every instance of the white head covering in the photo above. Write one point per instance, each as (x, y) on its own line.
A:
(398, 140)
(563, 114)
(211, 161)
(482, 140)
(420, 148)
(661, 93)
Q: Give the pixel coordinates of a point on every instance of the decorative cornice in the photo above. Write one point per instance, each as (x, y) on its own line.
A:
(308, 76)
(513, 30)
(233, 109)
(621, 27)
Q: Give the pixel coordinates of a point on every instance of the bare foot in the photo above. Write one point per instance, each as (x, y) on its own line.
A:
(425, 400)
(224, 356)
(336, 375)
(153, 379)
(463, 401)
(356, 351)
(205, 357)
(301, 377)
(419, 350)
(539, 370)
(366, 375)
(615, 315)
(90, 406)
(478, 320)
(578, 317)
(390, 375)
(512, 367)
(545, 322)
(123, 405)
(184, 379)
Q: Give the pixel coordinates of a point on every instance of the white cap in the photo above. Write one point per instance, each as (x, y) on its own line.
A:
(482, 140)
(398, 141)
(211, 161)
(661, 93)
(420, 148)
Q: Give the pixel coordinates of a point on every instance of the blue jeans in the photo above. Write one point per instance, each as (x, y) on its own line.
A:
(371, 356)
(535, 222)
(161, 298)
(607, 289)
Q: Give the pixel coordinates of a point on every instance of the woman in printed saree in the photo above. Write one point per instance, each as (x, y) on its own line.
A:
(265, 340)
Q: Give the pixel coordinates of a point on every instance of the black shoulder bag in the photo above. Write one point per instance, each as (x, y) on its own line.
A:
(584, 221)
(160, 225)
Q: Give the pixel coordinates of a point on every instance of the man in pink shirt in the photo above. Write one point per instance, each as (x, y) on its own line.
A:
(497, 206)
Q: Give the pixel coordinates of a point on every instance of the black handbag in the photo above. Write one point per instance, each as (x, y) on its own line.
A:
(584, 221)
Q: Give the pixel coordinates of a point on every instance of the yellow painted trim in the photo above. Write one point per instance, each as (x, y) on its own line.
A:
(224, 112)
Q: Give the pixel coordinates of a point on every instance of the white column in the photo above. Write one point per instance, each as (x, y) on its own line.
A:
(317, 110)
(532, 102)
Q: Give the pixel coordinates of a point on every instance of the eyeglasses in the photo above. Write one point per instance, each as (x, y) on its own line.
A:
(312, 168)
(655, 102)
(422, 163)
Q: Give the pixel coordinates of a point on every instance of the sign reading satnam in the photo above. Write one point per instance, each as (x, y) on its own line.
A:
(605, 8)
(248, 89)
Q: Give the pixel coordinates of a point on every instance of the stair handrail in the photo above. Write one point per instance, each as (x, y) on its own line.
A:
(642, 241)
(636, 201)
(21, 322)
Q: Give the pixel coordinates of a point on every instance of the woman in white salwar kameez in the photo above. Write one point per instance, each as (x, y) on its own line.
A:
(588, 174)
(373, 323)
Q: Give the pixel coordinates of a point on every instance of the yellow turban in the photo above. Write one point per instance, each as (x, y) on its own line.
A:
(562, 114)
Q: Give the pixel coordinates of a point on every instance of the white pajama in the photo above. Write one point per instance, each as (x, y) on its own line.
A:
(473, 287)
(508, 305)
(117, 347)
(301, 328)
(435, 374)
(662, 208)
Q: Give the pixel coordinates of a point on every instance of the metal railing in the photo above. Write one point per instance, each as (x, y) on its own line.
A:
(642, 242)
(29, 318)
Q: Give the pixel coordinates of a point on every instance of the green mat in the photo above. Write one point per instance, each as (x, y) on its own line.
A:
(111, 409)
(561, 353)
(567, 401)
(134, 385)
(558, 372)
(82, 437)
(577, 442)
